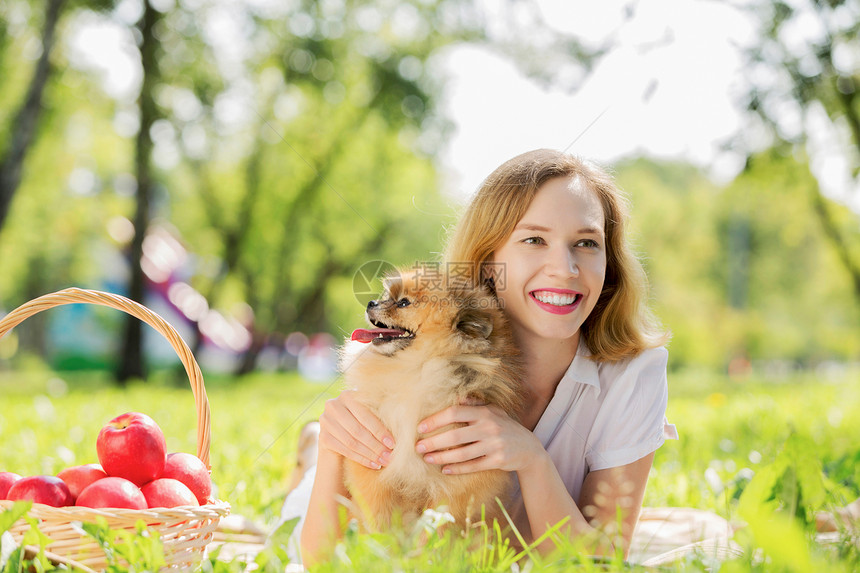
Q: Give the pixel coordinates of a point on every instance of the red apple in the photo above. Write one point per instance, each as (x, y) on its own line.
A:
(188, 469)
(112, 492)
(131, 446)
(79, 477)
(6, 481)
(168, 492)
(49, 490)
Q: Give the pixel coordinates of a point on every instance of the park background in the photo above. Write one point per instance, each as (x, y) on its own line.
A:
(234, 164)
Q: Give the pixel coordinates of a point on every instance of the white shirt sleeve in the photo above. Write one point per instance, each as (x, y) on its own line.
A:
(631, 422)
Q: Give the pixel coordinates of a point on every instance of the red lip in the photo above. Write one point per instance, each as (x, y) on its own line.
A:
(553, 309)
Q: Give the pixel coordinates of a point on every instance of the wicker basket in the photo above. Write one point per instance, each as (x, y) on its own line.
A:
(184, 531)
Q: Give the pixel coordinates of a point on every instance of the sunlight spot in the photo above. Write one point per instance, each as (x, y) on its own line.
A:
(834, 416)
(47, 464)
(610, 528)
(44, 407)
(83, 181)
(745, 474)
(77, 434)
(714, 481)
(65, 454)
(57, 387)
(125, 185)
(120, 229)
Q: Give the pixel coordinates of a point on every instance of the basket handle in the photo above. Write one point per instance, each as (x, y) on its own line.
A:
(77, 295)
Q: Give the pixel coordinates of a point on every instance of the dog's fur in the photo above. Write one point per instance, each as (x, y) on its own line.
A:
(456, 348)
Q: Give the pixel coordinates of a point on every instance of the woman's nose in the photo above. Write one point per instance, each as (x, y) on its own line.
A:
(562, 262)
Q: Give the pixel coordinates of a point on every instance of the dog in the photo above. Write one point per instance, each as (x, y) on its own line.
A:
(432, 346)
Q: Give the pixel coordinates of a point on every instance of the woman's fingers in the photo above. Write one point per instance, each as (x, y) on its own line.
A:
(457, 455)
(474, 440)
(487, 439)
(335, 438)
(368, 420)
(350, 429)
(450, 439)
(480, 464)
(449, 415)
(349, 451)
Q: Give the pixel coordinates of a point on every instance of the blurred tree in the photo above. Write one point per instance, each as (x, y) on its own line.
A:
(805, 77)
(674, 225)
(306, 188)
(33, 166)
(23, 125)
(289, 143)
(743, 271)
(798, 299)
(132, 363)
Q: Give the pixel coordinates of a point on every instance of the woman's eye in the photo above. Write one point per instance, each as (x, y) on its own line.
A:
(403, 302)
(589, 243)
(533, 241)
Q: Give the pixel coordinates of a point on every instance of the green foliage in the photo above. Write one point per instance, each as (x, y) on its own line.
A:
(137, 551)
(805, 95)
(745, 271)
(273, 558)
(770, 455)
(791, 484)
(310, 149)
(778, 507)
(17, 559)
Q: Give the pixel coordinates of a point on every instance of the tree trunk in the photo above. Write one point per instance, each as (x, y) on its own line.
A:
(132, 362)
(233, 235)
(831, 229)
(22, 130)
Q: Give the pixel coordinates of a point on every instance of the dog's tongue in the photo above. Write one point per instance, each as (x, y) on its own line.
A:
(368, 334)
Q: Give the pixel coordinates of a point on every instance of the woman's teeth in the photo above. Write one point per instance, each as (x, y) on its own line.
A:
(555, 299)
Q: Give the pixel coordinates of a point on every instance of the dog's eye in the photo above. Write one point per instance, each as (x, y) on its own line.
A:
(403, 302)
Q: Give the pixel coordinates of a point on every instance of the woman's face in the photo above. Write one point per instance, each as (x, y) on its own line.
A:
(554, 262)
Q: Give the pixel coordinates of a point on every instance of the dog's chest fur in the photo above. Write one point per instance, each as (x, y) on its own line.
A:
(402, 392)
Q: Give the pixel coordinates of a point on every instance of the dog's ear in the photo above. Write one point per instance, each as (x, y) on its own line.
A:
(393, 284)
(475, 322)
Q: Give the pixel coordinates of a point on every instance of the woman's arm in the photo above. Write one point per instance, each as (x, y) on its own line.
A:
(321, 529)
(610, 499)
(492, 440)
(347, 430)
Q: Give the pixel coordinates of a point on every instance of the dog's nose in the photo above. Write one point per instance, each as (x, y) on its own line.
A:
(372, 304)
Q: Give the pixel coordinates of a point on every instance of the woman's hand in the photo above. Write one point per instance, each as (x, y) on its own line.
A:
(491, 440)
(350, 429)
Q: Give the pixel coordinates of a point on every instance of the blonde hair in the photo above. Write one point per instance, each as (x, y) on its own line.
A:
(620, 325)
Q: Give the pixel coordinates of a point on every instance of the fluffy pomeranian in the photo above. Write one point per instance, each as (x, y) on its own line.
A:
(432, 346)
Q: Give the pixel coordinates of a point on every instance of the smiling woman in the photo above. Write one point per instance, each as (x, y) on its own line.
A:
(594, 365)
(546, 235)
(578, 199)
(543, 260)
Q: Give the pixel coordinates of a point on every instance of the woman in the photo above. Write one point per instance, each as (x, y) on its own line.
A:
(550, 227)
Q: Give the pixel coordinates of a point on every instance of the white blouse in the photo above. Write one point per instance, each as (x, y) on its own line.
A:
(602, 415)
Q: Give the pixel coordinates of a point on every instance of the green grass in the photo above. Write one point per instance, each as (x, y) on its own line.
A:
(50, 421)
(795, 438)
